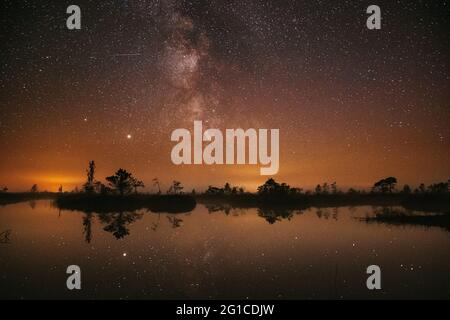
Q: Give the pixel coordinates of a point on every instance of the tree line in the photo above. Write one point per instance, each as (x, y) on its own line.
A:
(384, 186)
(123, 182)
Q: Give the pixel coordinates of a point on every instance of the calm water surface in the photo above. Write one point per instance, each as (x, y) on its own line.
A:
(245, 253)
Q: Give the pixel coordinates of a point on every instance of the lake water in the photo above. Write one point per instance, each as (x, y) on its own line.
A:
(237, 254)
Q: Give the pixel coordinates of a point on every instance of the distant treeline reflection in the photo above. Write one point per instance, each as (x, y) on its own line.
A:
(119, 198)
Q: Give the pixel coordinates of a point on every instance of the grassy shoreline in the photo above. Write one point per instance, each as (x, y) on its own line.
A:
(422, 202)
(187, 202)
(433, 209)
(11, 198)
(117, 203)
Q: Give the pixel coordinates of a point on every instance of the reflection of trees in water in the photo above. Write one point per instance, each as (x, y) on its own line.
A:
(225, 208)
(87, 226)
(270, 214)
(392, 215)
(32, 204)
(174, 221)
(273, 215)
(327, 213)
(391, 211)
(5, 236)
(212, 208)
(155, 225)
(117, 222)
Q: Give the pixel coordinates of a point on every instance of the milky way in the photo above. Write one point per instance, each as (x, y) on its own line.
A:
(353, 105)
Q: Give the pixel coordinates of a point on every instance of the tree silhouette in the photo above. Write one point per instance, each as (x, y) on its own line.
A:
(334, 188)
(441, 187)
(406, 189)
(385, 185)
(156, 183)
(90, 172)
(271, 187)
(121, 182)
(318, 189)
(213, 190)
(352, 191)
(135, 184)
(227, 188)
(175, 188)
(390, 182)
(60, 189)
(325, 188)
(34, 188)
(421, 188)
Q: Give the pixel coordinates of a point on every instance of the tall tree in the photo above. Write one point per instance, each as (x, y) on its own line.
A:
(227, 188)
(121, 181)
(90, 172)
(385, 185)
(156, 183)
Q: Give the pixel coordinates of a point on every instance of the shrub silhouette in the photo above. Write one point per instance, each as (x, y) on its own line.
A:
(271, 187)
(135, 184)
(175, 188)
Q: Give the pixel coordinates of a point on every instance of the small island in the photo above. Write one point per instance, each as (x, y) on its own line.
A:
(120, 193)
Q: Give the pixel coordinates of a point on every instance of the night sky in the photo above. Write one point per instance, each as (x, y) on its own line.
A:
(353, 105)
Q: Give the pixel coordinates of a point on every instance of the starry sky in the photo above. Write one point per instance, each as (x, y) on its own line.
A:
(353, 105)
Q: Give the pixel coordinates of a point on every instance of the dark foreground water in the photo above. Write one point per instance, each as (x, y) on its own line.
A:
(315, 253)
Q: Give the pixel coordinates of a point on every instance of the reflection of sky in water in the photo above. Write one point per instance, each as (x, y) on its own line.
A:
(316, 253)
